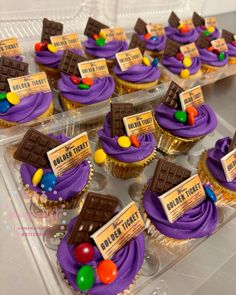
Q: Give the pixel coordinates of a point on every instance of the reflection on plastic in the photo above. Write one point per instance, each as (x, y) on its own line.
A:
(162, 288)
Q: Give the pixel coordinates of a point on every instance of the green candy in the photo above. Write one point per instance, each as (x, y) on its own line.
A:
(221, 56)
(83, 86)
(206, 33)
(100, 42)
(181, 116)
(3, 95)
(85, 278)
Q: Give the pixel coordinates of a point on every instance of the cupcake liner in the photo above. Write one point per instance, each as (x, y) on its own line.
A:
(171, 144)
(110, 62)
(154, 53)
(52, 74)
(232, 60)
(47, 113)
(224, 195)
(124, 87)
(209, 69)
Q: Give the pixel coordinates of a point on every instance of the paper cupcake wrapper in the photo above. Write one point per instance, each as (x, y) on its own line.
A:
(171, 144)
(209, 69)
(225, 197)
(154, 53)
(47, 113)
(124, 87)
(232, 60)
(52, 74)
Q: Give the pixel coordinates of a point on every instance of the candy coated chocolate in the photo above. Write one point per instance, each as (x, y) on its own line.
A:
(74, 79)
(95, 36)
(87, 81)
(147, 36)
(85, 278)
(179, 56)
(191, 119)
(38, 46)
(3, 95)
(181, 116)
(13, 98)
(37, 176)
(124, 142)
(100, 42)
(83, 86)
(221, 56)
(155, 62)
(192, 110)
(52, 48)
(99, 156)
(84, 253)
(209, 193)
(107, 271)
(146, 61)
(134, 140)
(154, 38)
(187, 62)
(48, 181)
(4, 106)
(184, 73)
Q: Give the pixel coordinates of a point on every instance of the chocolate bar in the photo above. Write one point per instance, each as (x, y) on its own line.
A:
(50, 28)
(173, 20)
(167, 175)
(140, 27)
(97, 210)
(228, 36)
(197, 20)
(69, 63)
(118, 112)
(137, 42)
(203, 41)
(93, 27)
(34, 147)
(10, 68)
(171, 48)
(171, 98)
(232, 145)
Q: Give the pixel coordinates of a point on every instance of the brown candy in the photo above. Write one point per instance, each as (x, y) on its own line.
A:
(197, 20)
(171, 98)
(50, 28)
(173, 20)
(69, 63)
(137, 42)
(93, 27)
(140, 27)
(171, 48)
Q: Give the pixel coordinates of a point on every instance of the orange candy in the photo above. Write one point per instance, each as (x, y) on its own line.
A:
(192, 110)
(95, 36)
(191, 119)
(134, 140)
(147, 36)
(184, 29)
(107, 271)
(87, 81)
(210, 48)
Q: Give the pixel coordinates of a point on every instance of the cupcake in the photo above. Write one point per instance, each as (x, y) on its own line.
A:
(96, 46)
(185, 67)
(179, 32)
(121, 158)
(231, 44)
(45, 189)
(211, 171)
(197, 222)
(173, 136)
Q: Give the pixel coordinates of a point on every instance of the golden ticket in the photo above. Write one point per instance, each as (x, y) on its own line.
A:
(220, 44)
(211, 22)
(29, 84)
(191, 97)
(139, 124)
(68, 41)
(96, 68)
(229, 165)
(114, 34)
(10, 47)
(187, 22)
(69, 154)
(155, 29)
(129, 58)
(182, 197)
(189, 50)
(123, 227)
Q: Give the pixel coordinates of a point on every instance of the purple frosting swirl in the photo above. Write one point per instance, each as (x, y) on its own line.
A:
(52, 60)
(138, 73)
(102, 89)
(175, 66)
(231, 50)
(155, 45)
(195, 223)
(210, 58)
(205, 122)
(214, 164)
(108, 51)
(128, 260)
(130, 155)
(212, 36)
(29, 108)
(67, 186)
(183, 38)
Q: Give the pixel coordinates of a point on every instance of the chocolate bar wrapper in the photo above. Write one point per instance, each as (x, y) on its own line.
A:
(110, 62)
(46, 114)
(224, 195)
(171, 144)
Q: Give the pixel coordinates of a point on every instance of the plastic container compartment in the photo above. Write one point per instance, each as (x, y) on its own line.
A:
(158, 259)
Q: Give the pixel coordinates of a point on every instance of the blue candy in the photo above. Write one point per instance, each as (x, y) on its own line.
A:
(209, 193)
(4, 106)
(48, 181)
(155, 62)
(154, 38)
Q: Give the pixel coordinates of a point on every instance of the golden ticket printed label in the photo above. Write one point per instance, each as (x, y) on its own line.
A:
(191, 97)
(68, 41)
(129, 58)
(211, 22)
(219, 44)
(189, 50)
(229, 165)
(155, 29)
(123, 227)
(10, 47)
(29, 84)
(96, 68)
(139, 124)
(187, 22)
(182, 197)
(69, 154)
(114, 34)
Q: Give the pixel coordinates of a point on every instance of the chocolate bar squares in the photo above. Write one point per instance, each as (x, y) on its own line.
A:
(140, 27)
(97, 210)
(93, 27)
(197, 20)
(232, 145)
(171, 98)
(173, 20)
(50, 28)
(228, 36)
(203, 41)
(137, 42)
(171, 48)
(69, 63)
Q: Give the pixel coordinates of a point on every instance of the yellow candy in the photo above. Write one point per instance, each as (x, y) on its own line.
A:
(180, 26)
(38, 174)
(13, 98)
(187, 62)
(184, 74)
(211, 29)
(102, 35)
(146, 61)
(124, 142)
(99, 156)
(52, 48)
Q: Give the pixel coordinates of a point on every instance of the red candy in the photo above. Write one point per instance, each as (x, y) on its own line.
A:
(95, 36)
(216, 51)
(84, 253)
(179, 56)
(192, 110)
(147, 36)
(38, 46)
(184, 29)
(203, 27)
(87, 81)
(191, 119)
(107, 271)
(134, 140)
(75, 79)
(233, 43)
